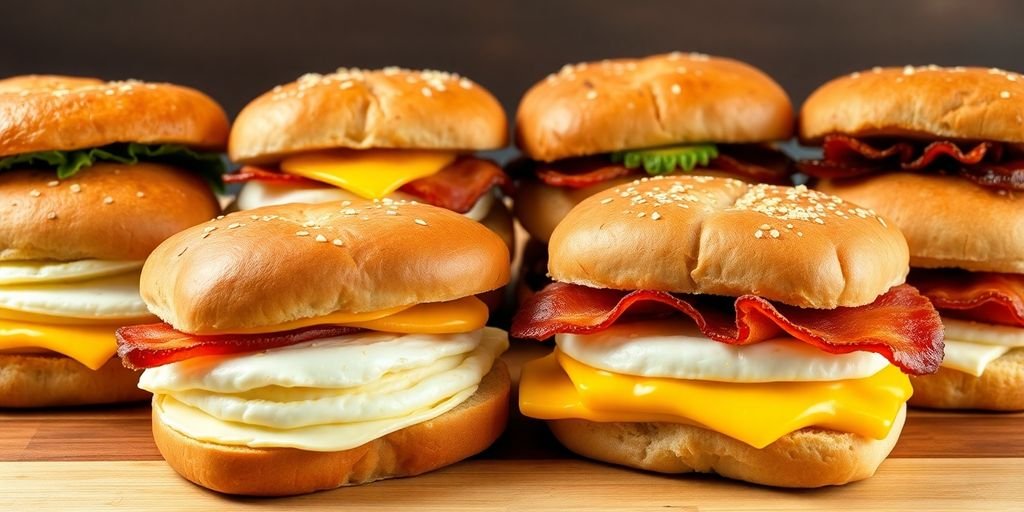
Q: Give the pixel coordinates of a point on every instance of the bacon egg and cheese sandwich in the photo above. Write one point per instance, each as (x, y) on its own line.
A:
(940, 152)
(704, 324)
(310, 346)
(93, 176)
(597, 125)
(370, 134)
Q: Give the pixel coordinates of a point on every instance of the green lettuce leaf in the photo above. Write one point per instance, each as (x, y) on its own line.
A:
(68, 163)
(664, 160)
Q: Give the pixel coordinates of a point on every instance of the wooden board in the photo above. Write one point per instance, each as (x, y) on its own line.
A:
(99, 458)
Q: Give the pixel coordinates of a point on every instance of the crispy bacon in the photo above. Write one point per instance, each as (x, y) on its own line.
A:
(457, 187)
(150, 345)
(900, 325)
(981, 296)
(848, 157)
(751, 162)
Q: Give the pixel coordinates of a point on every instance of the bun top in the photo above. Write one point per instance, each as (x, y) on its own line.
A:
(598, 107)
(60, 113)
(277, 264)
(109, 212)
(362, 109)
(922, 102)
(699, 234)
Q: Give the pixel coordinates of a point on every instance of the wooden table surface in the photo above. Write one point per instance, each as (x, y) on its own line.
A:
(98, 458)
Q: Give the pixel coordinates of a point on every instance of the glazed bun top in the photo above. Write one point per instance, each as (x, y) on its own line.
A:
(699, 234)
(271, 265)
(362, 109)
(59, 113)
(107, 212)
(919, 102)
(598, 107)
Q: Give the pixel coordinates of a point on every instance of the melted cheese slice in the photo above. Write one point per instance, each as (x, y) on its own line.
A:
(972, 346)
(971, 358)
(91, 345)
(460, 315)
(558, 387)
(22, 272)
(371, 173)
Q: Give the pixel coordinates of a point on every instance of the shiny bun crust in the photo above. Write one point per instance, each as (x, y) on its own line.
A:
(597, 107)
(1000, 388)
(52, 380)
(464, 431)
(806, 458)
(948, 221)
(361, 109)
(45, 113)
(276, 264)
(107, 211)
(926, 102)
(699, 234)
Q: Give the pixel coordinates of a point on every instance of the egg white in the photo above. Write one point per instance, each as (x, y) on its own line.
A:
(104, 298)
(28, 272)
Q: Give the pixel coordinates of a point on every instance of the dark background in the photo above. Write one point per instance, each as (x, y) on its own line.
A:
(236, 49)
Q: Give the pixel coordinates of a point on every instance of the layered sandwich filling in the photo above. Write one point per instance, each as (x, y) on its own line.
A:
(70, 308)
(323, 384)
(756, 375)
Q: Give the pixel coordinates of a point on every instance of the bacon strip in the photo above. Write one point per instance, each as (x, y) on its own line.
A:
(150, 345)
(900, 325)
(981, 296)
(457, 187)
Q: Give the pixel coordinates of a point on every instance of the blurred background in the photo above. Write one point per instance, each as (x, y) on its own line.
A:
(237, 49)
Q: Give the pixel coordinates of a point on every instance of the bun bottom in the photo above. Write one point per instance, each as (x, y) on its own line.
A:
(464, 431)
(53, 380)
(1000, 388)
(809, 457)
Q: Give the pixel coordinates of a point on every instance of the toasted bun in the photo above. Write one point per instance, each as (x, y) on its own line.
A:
(98, 213)
(540, 207)
(948, 221)
(698, 234)
(276, 264)
(45, 113)
(464, 431)
(360, 109)
(810, 457)
(52, 380)
(1000, 388)
(926, 102)
(611, 105)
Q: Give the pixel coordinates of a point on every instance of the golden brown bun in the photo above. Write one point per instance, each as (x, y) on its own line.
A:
(699, 234)
(271, 265)
(540, 207)
(52, 380)
(674, 98)
(1000, 388)
(928, 102)
(464, 431)
(809, 457)
(44, 113)
(948, 221)
(43, 222)
(360, 109)
(499, 220)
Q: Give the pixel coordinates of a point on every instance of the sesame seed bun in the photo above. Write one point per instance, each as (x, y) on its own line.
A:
(464, 431)
(52, 380)
(46, 113)
(598, 107)
(924, 102)
(948, 221)
(271, 265)
(809, 457)
(699, 234)
(362, 109)
(109, 211)
(1000, 388)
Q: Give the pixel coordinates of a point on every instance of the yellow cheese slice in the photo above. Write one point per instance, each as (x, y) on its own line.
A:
(91, 345)
(370, 173)
(461, 315)
(559, 387)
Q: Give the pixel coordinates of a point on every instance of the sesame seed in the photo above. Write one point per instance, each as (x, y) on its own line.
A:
(309, 224)
(391, 212)
(640, 215)
(108, 200)
(51, 215)
(53, 183)
(789, 226)
(591, 94)
(882, 222)
(254, 217)
(338, 242)
(799, 233)
(606, 200)
(76, 188)
(427, 92)
(34, 193)
(759, 234)
(208, 229)
(655, 216)
(346, 203)
(676, 89)
(302, 233)
(219, 217)
(774, 233)
(234, 225)
(765, 227)
(350, 211)
(321, 238)
(421, 222)
(140, 194)
(1004, 95)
